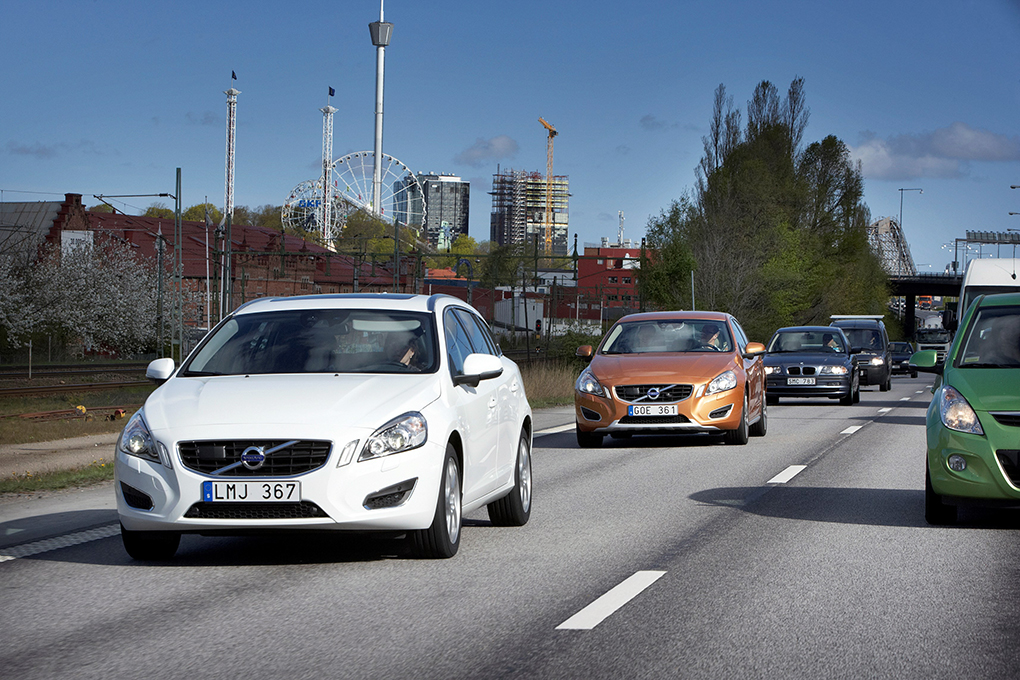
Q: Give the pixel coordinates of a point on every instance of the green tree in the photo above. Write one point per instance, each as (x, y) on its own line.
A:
(775, 234)
(197, 213)
(159, 210)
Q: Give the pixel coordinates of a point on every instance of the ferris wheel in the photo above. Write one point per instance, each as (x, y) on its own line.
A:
(401, 198)
(303, 210)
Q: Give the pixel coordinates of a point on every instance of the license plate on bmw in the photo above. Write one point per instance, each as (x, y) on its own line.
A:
(251, 492)
(651, 410)
(800, 381)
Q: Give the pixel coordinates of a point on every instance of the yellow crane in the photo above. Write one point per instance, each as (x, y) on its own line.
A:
(547, 220)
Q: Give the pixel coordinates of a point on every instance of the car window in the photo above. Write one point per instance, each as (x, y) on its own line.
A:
(458, 343)
(478, 332)
(821, 342)
(868, 339)
(993, 339)
(318, 341)
(668, 335)
(741, 336)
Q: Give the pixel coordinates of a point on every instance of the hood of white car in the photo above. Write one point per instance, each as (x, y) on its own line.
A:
(299, 405)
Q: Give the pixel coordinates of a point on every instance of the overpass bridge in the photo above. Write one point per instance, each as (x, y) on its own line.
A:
(911, 285)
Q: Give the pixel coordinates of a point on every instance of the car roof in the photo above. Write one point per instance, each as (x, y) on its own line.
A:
(1000, 300)
(394, 301)
(676, 315)
(857, 323)
(809, 329)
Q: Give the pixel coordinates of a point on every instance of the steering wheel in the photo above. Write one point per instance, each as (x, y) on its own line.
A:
(711, 347)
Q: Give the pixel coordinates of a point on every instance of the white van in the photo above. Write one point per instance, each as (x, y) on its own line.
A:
(986, 276)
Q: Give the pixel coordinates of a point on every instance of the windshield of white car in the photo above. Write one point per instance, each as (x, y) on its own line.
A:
(318, 341)
(993, 339)
(668, 335)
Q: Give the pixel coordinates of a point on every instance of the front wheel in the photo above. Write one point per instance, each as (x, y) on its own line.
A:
(442, 539)
(739, 435)
(514, 509)
(936, 511)
(150, 545)
(761, 427)
(588, 440)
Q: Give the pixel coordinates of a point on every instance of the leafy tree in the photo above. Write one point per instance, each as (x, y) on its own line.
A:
(101, 208)
(775, 234)
(159, 210)
(197, 213)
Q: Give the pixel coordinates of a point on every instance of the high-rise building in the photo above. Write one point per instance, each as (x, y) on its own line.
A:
(519, 207)
(447, 201)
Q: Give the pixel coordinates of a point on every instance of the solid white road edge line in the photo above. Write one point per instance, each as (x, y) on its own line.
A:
(555, 430)
(65, 541)
(600, 609)
(787, 474)
(851, 429)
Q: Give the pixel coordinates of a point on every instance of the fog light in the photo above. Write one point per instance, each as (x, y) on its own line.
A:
(957, 463)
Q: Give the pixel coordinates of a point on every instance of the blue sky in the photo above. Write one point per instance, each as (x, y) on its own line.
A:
(110, 97)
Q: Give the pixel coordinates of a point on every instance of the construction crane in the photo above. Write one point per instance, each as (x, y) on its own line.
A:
(547, 221)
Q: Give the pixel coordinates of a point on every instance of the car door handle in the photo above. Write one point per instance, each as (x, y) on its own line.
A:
(492, 402)
(513, 386)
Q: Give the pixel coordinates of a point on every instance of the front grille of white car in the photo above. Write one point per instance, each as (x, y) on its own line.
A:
(302, 510)
(223, 458)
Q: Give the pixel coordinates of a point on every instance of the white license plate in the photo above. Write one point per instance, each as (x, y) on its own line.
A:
(251, 492)
(800, 381)
(652, 410)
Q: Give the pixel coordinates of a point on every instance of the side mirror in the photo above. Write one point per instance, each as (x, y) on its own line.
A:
(160, 370)
(479, 367)
(949, 320)
(926, 361)
(753, 350)
(584, 351)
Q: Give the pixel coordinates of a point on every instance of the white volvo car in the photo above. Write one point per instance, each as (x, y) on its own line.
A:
(361, 412)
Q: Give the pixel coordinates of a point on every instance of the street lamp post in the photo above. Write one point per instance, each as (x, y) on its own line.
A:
(919, 190)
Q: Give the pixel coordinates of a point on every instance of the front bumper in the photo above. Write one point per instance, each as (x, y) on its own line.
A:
(339, 494)
(832, 386)
(993, 461)
(714, 413)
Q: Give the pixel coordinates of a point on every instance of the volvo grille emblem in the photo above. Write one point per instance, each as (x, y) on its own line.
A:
(253, 457)
(653, 393)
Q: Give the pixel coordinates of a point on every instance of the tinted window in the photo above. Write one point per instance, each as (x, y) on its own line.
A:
(458, 344)
(993, 339)
(318, 341)
(668, 335)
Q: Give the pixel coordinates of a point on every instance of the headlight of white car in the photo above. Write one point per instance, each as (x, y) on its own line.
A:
(589, 384)
(136, 440)
(956, 413)
(833, 370)
(722, 382)
(403, 433)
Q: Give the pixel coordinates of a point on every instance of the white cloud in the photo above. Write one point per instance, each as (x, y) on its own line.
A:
(945, 153)
(486, 151)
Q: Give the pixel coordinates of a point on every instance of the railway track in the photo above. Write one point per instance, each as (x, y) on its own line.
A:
(69, 370)
(56, 389)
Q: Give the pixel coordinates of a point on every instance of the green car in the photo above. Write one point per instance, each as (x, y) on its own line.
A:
(973, 425)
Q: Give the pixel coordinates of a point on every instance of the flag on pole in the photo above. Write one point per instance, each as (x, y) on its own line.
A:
(233, 76)
(332, 92)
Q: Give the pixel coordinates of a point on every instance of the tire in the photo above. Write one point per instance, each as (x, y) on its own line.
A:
(762, 426)
(857, 394)
(738, 436)
(913, 374)
(514, 509)
(770, 400)
(936, 512)
(848, 400)
(887, 385)
(148, 546)
(588, 440)
(442, 539)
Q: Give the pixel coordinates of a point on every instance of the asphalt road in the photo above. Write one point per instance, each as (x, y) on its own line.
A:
(803, 554)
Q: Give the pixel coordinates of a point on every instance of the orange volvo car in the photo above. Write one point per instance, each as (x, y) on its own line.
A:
(672, 373)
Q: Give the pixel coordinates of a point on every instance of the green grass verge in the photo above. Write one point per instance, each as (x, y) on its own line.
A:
(95, 473)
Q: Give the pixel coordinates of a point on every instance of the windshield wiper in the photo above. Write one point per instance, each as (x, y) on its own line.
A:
(200, 374)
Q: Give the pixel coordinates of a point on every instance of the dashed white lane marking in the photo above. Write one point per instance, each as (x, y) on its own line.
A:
(919, 392)
(851, 429)
(787, 474)
(555, 430)
(599, 610)
(65, 541)
(905, 399)
(884, 410)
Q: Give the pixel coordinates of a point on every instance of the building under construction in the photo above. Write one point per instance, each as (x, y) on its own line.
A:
(519, 209)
